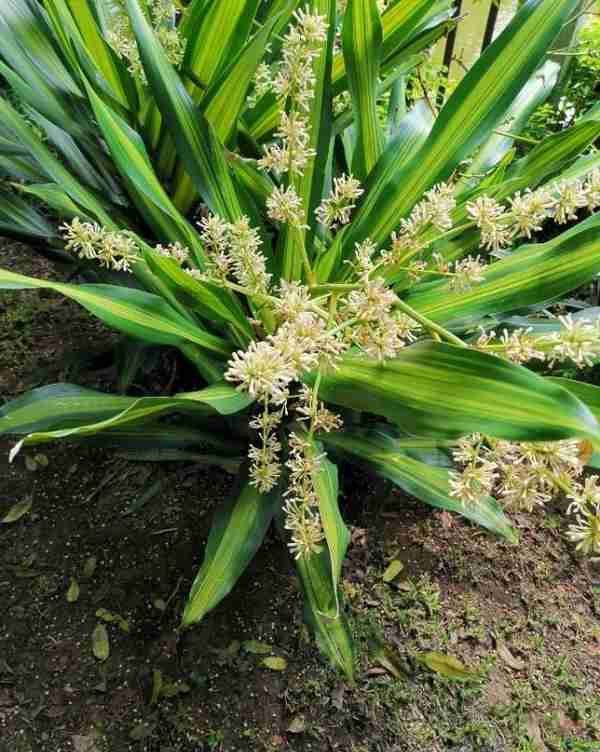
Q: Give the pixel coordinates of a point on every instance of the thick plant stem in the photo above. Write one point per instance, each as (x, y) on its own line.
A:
(431, 326)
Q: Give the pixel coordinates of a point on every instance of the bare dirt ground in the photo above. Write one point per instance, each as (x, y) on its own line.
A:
(523, 620)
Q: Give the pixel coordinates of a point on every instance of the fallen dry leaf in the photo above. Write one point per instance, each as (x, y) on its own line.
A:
(516, 663)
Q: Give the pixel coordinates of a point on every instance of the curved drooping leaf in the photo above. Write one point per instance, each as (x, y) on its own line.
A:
(531, 96)
(238, 529)
(434, 389)
(51, 166)
(420, 479)
(17, 216)
(58, 405)
(133, 312)
(536, 273)
(70, 411)
(589, 394)
(75, 408)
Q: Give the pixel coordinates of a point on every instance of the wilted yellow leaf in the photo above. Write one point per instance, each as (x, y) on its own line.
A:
(17, 511)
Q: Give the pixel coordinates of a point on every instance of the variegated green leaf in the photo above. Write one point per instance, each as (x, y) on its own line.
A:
(532, 274)
(362, 44)
(197, 145)
(239, 527)
(433, 389)
(133, 312)
(428, 483)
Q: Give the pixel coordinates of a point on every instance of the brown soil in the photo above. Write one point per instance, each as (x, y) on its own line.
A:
(523, 620)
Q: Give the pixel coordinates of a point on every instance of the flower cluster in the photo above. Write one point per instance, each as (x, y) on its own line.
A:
(577, 341)
(522, 476)
(175, 251)
(305, 339)
(500, 225)
(527, 475)
(285, 205)
(267, 370)
(233, 254)
(121, 37)
(462, 274)
(434, 210)
(294, 82)
(113, 250)
(337, 208)
(371, 321)
(301, 508)
(585, 506)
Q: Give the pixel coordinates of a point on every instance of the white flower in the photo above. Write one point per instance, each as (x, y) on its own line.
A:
(286, 206)
(121, 38)
(467, 272)
(310, 409)
(530, 210)
(592, 190)
(586, 496)
(262, 371)
(520, 346)
(521, 490)
(293, 299)
(578, 341)
(113, 250)
(337, 208)
(473, 483)
(174, 251)
(301, 508)
(492, 222)
(569, 197)
(586, 532)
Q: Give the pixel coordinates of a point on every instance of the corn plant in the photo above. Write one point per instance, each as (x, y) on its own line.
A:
(352, 282)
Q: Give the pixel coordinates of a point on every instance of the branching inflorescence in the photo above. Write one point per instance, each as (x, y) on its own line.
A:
(307, 327)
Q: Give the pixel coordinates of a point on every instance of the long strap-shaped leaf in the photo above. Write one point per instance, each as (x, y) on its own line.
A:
(362, 40)
(197, 145)
(17, 217)
(25, 21)
(337, 535)
(532, 274)
(47, 162)
(479, 102)
(215, 35)
(433, 389)
(134, 312)
(322, 613)
(238, 530)
(61, 411)
(426, 482)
